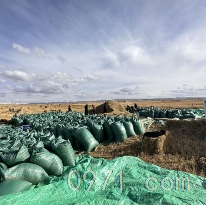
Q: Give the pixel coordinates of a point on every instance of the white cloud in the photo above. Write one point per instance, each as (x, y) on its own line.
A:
(21, 48)
(16, 75)
(40, 52)
(90, 78)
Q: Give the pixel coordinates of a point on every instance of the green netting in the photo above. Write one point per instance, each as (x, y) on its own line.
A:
(139, 179)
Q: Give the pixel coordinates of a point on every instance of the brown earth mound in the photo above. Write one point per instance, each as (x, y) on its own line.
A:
(113, 107)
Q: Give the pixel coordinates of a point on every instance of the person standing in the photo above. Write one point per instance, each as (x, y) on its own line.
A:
(69, 108)
(93, 109)
(105, 107)
(86, 109)
(135, 106)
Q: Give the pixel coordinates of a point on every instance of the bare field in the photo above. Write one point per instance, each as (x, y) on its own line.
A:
(185, 142)
(40, 108)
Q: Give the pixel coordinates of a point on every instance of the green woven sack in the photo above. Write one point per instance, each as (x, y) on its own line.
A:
(14, 186)
(2, 166)
(25, 171)
(67, 132)
(86, 139)
(59, 131)
(129, 128)
(12, 158)
(64, 150)
(50, 162)
(138, 127)
(119, 131)
(98, 132)
(156, 114)
(108, 131)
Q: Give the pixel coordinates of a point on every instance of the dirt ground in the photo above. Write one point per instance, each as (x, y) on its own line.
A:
(180, 147)
(40, 108)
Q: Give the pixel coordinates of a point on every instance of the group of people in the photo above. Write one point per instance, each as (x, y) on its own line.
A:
(105, 108)
(86, 109)
(93, 108)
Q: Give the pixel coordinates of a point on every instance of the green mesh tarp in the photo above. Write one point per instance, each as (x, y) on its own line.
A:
(130, 181)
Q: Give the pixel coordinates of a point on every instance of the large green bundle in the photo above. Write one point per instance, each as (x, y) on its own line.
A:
(14, 186)
(64, 150)
(14, 157)
(108, 130)
(169, 113)
(47, 140)
(25, 171)
(162, 114)
(16, 121)
(138, 127)
(2, 166)
(156, 113)
(97, 132)
(67, 132)
(119, 131)
(50, 162)
(151, 113)
(59, 131)
(129, 128)
(84, 136)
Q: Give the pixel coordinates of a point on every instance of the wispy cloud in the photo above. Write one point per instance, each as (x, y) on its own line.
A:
(21, 48)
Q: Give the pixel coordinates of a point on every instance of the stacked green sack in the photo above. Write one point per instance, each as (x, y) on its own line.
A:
(50, 162)
(25, 171)
(138, 126)
(64, 150)
(15, 156)
(85, 138)
(120, 134)
(14, 186)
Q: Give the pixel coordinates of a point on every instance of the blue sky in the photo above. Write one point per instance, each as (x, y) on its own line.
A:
(70, 50)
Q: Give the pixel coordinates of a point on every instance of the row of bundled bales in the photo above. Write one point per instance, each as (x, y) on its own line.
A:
(66, 125)
(170, 113)
(30, 156)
